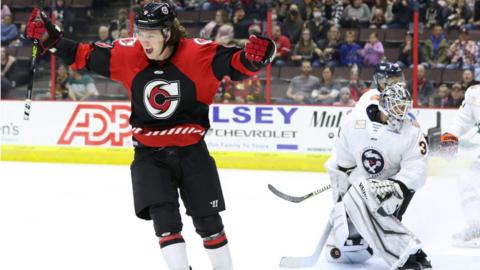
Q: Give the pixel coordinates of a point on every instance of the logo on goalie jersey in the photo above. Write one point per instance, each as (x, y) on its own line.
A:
(161, 98)
(373, 161)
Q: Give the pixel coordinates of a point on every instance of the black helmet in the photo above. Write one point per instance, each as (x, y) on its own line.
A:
(156, 15)
(386, 70)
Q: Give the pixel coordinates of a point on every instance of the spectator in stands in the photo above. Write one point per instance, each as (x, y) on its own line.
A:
(64, 16)
(330, 48)
(225, 35)
(435, 49)
(356, 14)
(104, 34)
(9, 31)
(284, 46)
(381, 14)
(462, 52)
(121, 22)
(81, 87)
(357, 87)
(333, 11)
(458, 14)
(281, 8)
(345, 98)
(61, 89)
(245, 91)
(213, 4)
(293, 24)
(257, 10)
(318, 26)
(306, 9)
(306, 50)
(468, 79)
(475, 20)
(424, 87)
(402, 13)
(124, 33)
(5, 11)
(457, 96)
(405, 55)
(211, 29)
(433, 14)
(373, 51)
(329, 88)
(349, 51)
(302, 86)
(241, 22)
(442, 98)
(8, 72)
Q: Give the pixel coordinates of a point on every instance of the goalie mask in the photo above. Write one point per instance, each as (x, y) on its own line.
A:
(395, 102)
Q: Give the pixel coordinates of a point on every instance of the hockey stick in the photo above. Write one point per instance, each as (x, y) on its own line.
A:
(31, 74)
(295, 199)
(309, 261)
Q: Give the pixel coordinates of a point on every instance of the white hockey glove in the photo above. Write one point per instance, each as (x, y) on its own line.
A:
(389, 196)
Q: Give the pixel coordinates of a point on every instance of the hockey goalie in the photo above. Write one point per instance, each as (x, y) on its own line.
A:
(379, 161)
(468, 115)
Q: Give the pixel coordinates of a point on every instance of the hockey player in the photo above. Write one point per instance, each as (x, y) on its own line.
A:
(171, 82)
(385, 73)
(467, 117)
(373, 180)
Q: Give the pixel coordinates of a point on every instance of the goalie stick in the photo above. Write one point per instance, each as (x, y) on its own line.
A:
(295, 199)
(309, 261)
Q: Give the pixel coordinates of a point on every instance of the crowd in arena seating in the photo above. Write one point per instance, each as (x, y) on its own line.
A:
(339, 41)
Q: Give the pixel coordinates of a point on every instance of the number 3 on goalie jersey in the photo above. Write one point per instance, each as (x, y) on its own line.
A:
(423, 147)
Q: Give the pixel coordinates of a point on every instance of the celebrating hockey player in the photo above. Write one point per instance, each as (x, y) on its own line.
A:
(171, 81)
(467, 117)
(373, 180)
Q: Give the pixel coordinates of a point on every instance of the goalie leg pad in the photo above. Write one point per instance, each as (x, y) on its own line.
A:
(338, 179)
(345, 245)
(469, 190)
(387, 236)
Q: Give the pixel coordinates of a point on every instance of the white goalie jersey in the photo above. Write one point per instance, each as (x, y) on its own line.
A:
(468, 114)
(380, 153)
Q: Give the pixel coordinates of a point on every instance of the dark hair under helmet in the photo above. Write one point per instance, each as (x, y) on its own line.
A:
(156, 15)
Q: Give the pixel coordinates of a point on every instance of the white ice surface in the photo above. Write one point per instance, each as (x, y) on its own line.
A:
(69, 217)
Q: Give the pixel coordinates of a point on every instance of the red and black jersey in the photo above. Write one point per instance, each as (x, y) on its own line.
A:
(169, 99)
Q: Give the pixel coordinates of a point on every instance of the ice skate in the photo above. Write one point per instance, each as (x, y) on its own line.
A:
(417, 261)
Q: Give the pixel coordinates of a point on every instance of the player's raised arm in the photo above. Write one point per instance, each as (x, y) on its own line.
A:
(245, 62)
(77, 55)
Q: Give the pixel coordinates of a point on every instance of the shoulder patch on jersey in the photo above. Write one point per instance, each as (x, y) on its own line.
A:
(373, 161)
(201, 41)
(127, 42)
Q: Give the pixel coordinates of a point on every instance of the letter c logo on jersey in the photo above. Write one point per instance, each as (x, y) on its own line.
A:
(372, 161)
(161, 98)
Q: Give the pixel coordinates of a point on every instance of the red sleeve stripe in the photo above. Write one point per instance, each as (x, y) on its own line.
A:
(237, 64)
(215, 243)
(81, 58)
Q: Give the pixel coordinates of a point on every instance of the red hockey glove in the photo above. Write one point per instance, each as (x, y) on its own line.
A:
(37, 25)
(448, 145)
(260, 49)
